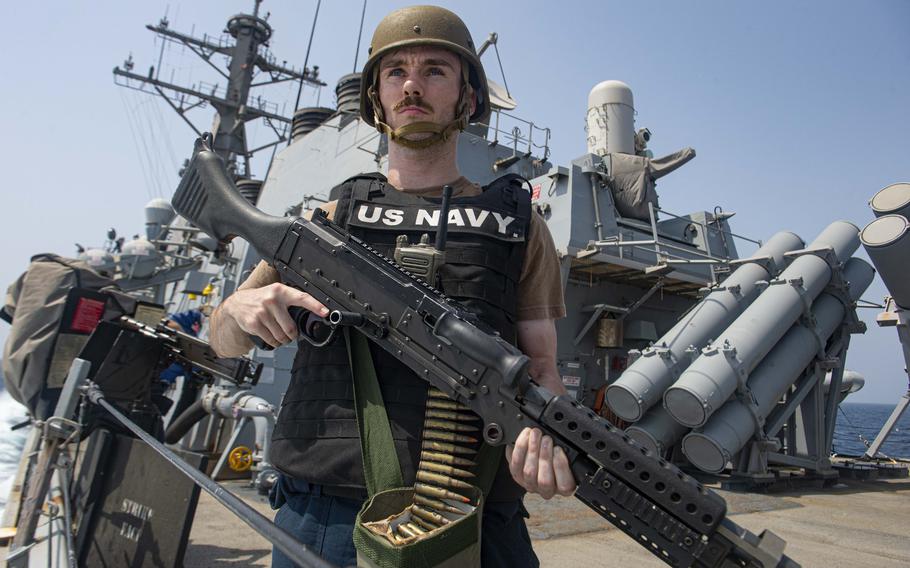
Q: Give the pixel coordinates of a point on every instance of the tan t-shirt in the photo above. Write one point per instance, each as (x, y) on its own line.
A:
(539, 288)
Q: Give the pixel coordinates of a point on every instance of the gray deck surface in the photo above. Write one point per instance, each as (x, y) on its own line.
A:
(852, 524)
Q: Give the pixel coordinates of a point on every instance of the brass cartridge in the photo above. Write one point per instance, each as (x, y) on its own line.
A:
(415, 529)
(449, 459)
(448, 436)
(436, 504)
(445, 469)
(438, 493)
(436, 446)
(429, 515)
(406, 531)
(441, 480)
(424, 524)
(449, 425)
(451, 415)
(445, 404)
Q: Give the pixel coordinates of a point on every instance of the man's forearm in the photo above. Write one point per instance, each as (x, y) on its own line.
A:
(226, 337)
(548, 377)
(537, 338)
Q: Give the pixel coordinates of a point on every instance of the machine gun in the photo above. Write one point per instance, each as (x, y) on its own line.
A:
(183, 348)
(666, 511)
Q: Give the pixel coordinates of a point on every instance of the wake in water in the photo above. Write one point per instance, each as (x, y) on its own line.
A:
(11, 442)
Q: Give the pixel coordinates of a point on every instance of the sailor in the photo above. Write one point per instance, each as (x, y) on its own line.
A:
(190, 322)
(422, 84)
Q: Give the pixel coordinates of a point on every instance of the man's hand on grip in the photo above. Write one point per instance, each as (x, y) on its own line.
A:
(263, 312)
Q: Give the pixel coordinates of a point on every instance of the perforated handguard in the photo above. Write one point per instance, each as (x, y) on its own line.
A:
(664, 510)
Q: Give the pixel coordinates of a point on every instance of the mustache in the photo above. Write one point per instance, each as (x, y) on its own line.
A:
(410, 101)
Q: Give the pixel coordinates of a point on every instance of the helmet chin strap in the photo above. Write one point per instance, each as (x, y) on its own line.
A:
(438, 133)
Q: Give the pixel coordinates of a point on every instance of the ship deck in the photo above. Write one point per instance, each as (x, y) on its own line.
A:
(854, 523)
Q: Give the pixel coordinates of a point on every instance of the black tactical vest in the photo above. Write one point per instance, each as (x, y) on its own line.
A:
(316, 437)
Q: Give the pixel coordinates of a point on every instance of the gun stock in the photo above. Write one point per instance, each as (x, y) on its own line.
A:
(208, 198)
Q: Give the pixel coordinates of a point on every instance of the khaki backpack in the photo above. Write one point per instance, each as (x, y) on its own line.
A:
(53, 307)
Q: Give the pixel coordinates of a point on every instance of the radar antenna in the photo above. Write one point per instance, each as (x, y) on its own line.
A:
(245, 47)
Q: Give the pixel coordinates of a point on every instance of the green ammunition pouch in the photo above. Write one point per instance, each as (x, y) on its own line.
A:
(456, 544)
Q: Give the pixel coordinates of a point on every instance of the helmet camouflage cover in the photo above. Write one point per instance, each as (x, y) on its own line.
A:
(423, 26)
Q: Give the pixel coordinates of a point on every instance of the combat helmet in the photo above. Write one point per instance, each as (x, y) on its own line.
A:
(432, 26)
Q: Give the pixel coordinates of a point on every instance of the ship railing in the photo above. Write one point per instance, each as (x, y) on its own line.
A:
(522, 135)
(669, 251)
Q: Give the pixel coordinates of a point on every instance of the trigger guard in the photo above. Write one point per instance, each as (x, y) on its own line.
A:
(305, 331)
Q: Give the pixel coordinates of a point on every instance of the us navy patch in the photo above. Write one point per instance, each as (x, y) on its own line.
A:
(461, 218)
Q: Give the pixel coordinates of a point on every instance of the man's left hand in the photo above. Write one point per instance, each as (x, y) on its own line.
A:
(538, 467)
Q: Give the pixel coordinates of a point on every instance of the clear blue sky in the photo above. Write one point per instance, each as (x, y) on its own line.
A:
(798, 110)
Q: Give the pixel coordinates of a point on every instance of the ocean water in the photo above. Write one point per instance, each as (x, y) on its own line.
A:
(856, 422)
(11, 442)
(859, 423)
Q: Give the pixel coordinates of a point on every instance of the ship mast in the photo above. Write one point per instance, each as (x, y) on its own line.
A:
(234, 105)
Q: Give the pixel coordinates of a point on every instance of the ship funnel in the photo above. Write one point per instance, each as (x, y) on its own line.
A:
(347, 93)
(308, 119)
(610, 121)
(249, 188)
